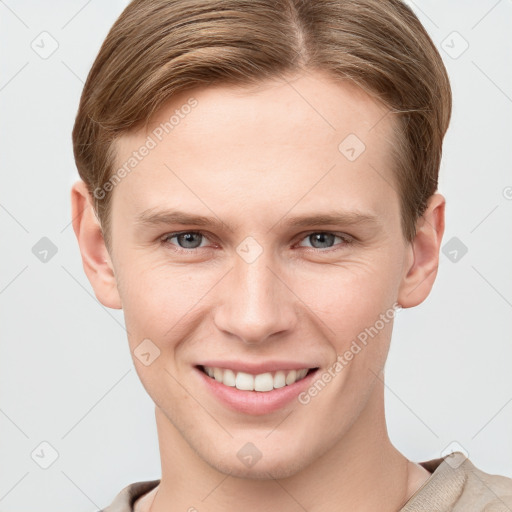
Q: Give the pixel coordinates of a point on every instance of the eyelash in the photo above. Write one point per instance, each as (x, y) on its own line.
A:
(347, 240)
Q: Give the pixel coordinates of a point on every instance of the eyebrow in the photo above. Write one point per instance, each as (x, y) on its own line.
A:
(155, 217)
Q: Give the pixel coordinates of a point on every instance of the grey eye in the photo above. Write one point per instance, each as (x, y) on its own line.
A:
(188, 240)
(321, 240)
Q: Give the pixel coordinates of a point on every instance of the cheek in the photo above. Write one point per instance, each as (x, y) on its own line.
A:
(160, 302)
(161, 308)
(167, 302)
(349, 298)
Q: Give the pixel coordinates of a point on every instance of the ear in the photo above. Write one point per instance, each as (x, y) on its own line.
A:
(424, 256)
(95, 257)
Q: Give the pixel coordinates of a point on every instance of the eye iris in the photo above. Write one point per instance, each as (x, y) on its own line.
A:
(320, 237)
(186, 240)
(187, 237)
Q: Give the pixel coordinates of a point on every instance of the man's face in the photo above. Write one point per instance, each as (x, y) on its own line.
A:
(252, 289)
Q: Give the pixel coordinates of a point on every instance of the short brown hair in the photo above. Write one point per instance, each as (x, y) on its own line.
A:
(158, 48)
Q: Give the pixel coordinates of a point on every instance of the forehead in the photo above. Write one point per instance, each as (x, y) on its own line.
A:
(299, 138)
(310, 107)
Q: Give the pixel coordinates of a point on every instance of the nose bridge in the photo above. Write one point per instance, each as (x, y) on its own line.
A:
(257, 303)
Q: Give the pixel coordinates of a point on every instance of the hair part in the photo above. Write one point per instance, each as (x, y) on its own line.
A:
(158, 48)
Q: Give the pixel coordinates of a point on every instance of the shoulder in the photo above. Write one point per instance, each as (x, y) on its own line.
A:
(457, 485)
(486, 492)
(124, 500)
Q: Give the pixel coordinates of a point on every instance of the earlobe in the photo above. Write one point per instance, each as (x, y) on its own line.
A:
(420, 275)
(95, 257)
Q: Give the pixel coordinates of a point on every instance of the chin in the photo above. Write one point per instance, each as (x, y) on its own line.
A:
(268, 469)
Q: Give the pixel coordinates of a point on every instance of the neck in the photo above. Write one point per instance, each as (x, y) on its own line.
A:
(363, 471)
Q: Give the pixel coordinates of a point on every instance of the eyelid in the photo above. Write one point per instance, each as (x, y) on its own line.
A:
(347, 239)
(167, 236)
(341, 234)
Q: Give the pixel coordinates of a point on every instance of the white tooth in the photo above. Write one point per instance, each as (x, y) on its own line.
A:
(279, 379)
(302, 373)
(244, 381)
(263, 382)
(291, 377)
(229, 378)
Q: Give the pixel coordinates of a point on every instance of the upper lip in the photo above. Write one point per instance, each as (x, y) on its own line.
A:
(257, 368)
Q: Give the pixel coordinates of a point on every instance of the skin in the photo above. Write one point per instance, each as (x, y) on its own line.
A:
(253, 158)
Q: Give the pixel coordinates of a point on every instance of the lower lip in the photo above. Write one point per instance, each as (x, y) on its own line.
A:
(256, 402)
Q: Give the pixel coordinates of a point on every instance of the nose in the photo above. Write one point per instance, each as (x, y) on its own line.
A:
(257, 302)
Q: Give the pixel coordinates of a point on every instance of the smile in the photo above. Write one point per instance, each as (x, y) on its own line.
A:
(262, 382)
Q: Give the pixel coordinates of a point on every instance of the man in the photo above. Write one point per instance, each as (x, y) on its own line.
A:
(259, 196)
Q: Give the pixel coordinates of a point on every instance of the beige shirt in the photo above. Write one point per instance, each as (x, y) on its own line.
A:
(455, 485)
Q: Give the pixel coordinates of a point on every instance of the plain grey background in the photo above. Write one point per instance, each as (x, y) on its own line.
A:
(66, 376)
